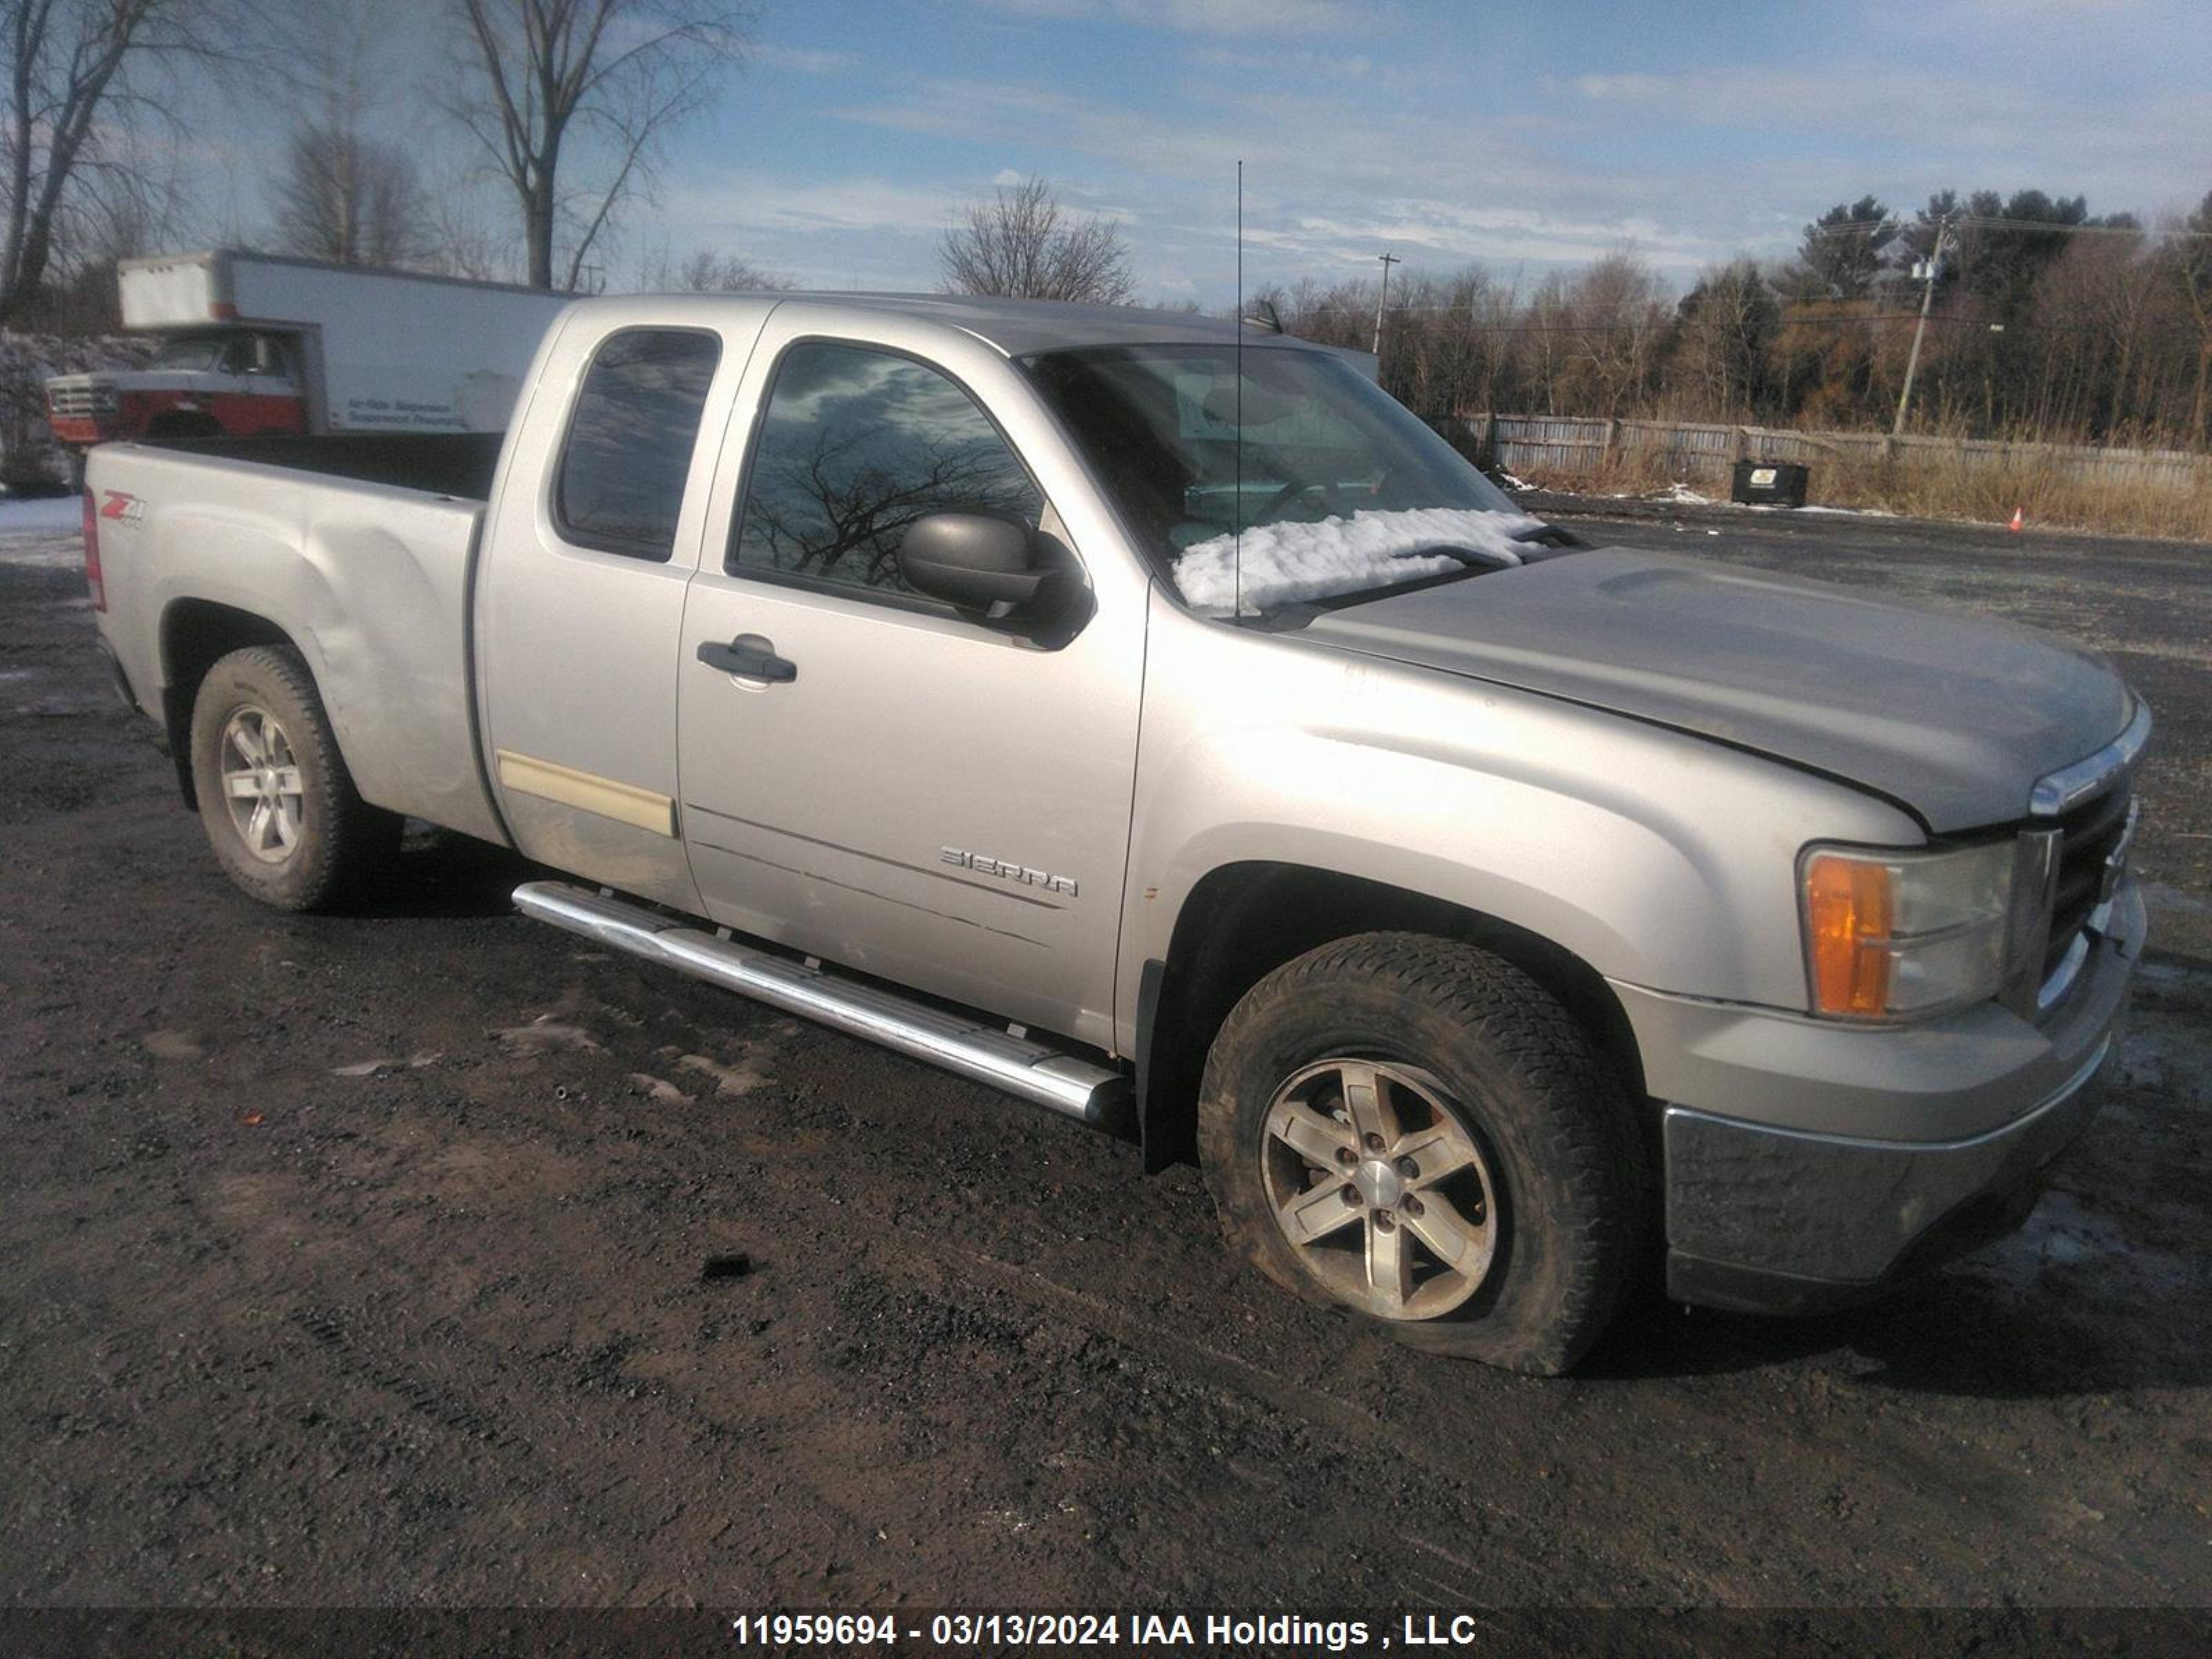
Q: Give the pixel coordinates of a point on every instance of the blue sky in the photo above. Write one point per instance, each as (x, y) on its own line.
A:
(1450, 130)
(1526, 136)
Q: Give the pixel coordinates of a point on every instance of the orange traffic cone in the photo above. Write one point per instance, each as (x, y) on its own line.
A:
(2019, 520)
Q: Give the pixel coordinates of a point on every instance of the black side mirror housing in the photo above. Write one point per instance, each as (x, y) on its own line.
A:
(972, 561)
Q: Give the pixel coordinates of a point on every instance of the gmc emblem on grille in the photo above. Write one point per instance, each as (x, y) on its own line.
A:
(983, 864)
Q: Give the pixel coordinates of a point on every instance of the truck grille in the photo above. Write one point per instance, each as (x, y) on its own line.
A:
(2088, 838)
(72, 400)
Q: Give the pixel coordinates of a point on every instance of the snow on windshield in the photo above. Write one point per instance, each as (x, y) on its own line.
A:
(1284, 563)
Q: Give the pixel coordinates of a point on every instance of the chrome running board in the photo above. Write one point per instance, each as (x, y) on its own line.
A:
(1098, 1095)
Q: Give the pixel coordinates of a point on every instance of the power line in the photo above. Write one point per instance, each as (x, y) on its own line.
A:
(1658, 324)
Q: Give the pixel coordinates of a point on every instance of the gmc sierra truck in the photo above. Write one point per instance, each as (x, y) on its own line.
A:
(1149, 718)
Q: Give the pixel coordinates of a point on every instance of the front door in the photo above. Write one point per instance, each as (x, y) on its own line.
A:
(868, 775)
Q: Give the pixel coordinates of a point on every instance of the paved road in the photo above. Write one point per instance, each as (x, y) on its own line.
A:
(358, 1260)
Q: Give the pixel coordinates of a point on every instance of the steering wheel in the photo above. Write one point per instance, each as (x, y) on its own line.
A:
(1291, 492)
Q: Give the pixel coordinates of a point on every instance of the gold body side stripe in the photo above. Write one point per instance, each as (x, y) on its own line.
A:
(625, 803)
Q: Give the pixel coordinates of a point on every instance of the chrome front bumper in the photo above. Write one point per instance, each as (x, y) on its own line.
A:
(1776, 1215)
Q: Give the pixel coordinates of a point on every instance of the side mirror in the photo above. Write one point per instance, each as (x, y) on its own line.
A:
(971, 561)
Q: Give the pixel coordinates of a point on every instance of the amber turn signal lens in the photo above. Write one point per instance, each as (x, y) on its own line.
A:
(1849, 914)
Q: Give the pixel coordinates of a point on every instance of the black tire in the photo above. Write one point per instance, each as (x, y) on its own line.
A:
(339, 842)
(1560, 1197)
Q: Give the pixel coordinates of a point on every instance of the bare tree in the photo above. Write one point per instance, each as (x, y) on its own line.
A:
(544, 79)
(66, 68)
(1614, 317)
(2189, 258)
(348, 198)
(342, 190)
(709, 272)
(1020, 244)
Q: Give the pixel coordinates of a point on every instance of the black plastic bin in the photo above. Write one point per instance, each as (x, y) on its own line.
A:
(1769, 484)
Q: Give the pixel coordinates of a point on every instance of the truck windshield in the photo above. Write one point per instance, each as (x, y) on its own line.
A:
(189, 351)
(1340, 489)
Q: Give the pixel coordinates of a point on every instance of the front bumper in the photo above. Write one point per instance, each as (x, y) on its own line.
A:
(82, 430)
(1805, 1173)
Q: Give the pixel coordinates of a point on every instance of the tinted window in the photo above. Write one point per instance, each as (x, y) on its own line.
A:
(621, 483)
(855, 447)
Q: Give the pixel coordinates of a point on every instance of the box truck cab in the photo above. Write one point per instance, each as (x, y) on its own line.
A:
(253, 345)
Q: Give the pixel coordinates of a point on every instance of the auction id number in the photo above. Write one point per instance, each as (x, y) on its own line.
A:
(956, 1629)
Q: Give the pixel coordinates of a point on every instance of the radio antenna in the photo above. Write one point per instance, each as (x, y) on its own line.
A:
(1237, 508)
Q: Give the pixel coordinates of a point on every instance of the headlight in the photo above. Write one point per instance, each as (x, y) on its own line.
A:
(1895, 935)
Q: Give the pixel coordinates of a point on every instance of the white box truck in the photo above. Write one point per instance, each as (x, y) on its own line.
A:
(253, 345)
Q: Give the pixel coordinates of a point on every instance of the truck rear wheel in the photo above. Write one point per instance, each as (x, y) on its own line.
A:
(1413, 1131)
(280, 808)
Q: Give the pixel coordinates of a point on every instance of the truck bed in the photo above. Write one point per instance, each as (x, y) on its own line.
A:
(458, 464)
(358, 550)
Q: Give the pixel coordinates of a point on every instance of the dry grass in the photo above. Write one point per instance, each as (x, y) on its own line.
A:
(1943, 485)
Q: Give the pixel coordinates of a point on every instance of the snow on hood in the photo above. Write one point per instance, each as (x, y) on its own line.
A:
(1284, 563)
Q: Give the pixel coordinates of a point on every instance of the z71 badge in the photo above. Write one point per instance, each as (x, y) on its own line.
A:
(983, 864)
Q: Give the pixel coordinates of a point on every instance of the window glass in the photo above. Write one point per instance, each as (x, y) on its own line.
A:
(629, 448)
(1274, 476)
(856, 445)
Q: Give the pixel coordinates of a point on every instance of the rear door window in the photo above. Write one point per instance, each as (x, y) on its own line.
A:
(620, 485)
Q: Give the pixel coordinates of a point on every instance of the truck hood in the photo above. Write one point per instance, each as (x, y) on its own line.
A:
(1954, 716)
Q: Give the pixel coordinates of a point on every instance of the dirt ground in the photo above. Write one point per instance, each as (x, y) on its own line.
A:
(358, 1260)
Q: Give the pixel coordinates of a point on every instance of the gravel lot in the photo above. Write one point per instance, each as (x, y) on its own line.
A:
(358, 1260)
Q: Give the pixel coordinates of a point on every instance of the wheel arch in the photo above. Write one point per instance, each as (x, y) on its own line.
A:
(195, 635)
(1242, 920)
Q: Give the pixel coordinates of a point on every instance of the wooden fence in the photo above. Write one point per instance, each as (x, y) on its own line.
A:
(1704, 453)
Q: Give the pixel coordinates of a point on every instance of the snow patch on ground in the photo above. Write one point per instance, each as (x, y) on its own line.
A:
(48, 534)
(41, 516)
(1283, 563)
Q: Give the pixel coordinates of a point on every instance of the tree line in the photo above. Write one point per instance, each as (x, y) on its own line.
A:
(2043, 320)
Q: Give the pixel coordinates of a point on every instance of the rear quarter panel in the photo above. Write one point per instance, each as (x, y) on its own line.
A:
(369, 582)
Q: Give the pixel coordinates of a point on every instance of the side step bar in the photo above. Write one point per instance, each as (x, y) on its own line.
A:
(1098, 1095)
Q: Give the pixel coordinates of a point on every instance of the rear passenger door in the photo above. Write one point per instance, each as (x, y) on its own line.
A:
(900, 788)
(580, 595)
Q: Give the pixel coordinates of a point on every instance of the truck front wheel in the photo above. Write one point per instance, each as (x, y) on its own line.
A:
(1413, 1130)
(281, 810)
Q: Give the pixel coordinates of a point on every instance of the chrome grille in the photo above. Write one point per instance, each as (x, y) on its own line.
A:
(2093, 841)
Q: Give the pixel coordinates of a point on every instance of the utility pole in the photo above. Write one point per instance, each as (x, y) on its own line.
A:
(1383, 298)
(1920, 328)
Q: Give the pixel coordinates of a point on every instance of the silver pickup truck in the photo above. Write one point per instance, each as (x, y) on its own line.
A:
(1149, 718)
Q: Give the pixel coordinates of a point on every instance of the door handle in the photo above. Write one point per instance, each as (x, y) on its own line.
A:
(749, 657)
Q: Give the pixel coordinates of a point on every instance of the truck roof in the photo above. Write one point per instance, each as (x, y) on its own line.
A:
(1015, 327)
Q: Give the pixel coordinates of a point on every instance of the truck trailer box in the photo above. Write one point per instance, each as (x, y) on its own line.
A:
(380, 350)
